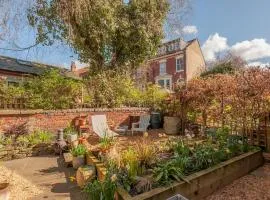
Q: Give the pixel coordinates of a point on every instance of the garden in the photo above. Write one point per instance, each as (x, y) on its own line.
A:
(201, 136)
(206, 124)
(145, 165)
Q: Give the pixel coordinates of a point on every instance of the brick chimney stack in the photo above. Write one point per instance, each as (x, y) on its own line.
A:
(73, 67)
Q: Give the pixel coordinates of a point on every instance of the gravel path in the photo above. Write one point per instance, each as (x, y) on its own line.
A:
(20, 188)
(254, 186)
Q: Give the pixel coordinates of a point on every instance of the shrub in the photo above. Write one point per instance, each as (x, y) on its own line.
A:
(34, 138)
(17, 130)
(146, 153)
(80, 150)
(97, 190)
(52, 90)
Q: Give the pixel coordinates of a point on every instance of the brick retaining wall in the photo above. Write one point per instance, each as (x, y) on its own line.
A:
(53, 120)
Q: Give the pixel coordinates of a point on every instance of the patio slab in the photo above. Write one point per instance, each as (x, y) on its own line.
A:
(49, 175)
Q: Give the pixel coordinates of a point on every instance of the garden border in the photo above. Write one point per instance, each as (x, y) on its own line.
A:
(205, 182)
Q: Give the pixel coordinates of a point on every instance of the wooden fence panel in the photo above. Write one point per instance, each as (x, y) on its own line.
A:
(12, 104)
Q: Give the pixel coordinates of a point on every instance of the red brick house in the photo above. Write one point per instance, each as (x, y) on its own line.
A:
(175, 61)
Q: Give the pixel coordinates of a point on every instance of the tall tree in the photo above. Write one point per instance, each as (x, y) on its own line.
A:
(105, 33)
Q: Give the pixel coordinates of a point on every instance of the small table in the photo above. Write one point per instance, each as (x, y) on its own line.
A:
(133, 119)
(122, 129)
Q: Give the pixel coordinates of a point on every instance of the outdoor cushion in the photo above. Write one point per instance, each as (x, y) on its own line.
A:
(100, 126)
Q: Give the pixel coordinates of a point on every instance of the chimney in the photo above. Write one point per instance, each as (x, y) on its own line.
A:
(73, 67)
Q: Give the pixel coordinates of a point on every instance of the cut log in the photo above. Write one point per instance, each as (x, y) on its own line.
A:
(85, 174)
(101, 171)
(92, 160)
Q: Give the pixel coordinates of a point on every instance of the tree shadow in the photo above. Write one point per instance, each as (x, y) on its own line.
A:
(69, 186)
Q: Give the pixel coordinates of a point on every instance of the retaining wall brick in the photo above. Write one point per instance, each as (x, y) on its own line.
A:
(54, 120)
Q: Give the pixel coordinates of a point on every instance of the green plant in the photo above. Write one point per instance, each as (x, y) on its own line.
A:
(36, 137)
(106, 142)
(44, 136)
(70, 129)
(146, 153)
(23, 141)
(167, 172)
(131, 162)
(98, 190)
(80, 150)
(6, 140)
(203, 156)
(9, 140)
(180, 149)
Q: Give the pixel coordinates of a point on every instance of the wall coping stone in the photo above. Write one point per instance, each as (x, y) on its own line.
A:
(77, 110)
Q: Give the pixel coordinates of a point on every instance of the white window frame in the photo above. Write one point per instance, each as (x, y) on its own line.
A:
(165, 80)
(164, 63)
(181, 67)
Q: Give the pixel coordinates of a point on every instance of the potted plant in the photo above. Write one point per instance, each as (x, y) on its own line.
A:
(4, 191)
(172, 122)
(78, 154)
(70, 133)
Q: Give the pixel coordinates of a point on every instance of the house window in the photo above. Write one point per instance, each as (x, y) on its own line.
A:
(165, 83)
(162, 68)
(179, 65)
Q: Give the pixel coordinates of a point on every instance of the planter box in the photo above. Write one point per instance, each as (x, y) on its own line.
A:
(205, 182)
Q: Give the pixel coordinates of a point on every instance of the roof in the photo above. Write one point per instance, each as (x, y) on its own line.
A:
(173, 46)
(83, 71)
(26, 67)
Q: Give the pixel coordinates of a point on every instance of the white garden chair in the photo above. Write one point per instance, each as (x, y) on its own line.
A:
(142, 125)
(100, 126)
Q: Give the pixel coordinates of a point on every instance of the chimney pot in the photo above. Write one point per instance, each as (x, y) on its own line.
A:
(73, 67)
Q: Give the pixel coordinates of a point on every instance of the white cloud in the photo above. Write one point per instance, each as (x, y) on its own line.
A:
(190, 30)
(252, 50)
(258, 63)
(213, 45)
(249, 50)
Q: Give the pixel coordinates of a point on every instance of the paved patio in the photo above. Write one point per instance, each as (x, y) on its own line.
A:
(49, 175)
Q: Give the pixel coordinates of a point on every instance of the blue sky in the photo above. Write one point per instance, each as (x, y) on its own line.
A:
(239, 26)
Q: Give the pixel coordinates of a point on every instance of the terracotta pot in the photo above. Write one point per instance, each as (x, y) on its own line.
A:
(82, 122)
(172, 125)
(4, 191)
(78, 161)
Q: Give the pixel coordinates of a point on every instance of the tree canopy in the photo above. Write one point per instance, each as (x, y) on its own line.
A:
(104, 33)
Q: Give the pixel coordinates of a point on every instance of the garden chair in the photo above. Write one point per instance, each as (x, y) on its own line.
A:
(142, 125)
(100, 126)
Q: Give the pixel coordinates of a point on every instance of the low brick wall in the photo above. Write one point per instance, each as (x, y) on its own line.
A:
(53, 120)
(205, 182)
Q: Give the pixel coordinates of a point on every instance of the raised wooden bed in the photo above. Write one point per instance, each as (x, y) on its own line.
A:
(205, 182)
